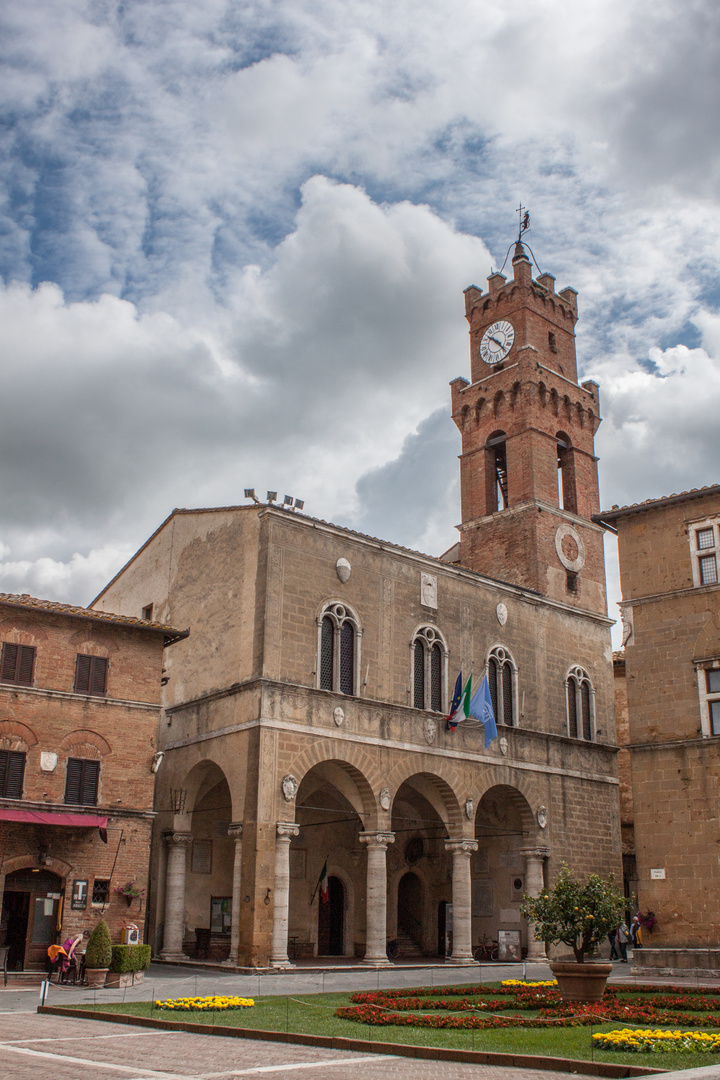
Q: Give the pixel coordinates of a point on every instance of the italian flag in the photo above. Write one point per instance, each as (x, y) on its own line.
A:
(324, 885)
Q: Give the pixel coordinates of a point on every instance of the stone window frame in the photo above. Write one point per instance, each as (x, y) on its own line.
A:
(707, 697)
(502, 656)
(340, 612)
(574, 680)
(429, 635)
(698, 554)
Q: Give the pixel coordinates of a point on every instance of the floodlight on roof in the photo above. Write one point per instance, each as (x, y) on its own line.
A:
(288, 500)
(299, 503)
(250, 494)
(271, 496)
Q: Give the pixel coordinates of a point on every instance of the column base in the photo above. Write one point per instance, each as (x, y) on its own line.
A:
(173, 955)
(541, 958)
(381, 961)
(465, 961)
(283, 963)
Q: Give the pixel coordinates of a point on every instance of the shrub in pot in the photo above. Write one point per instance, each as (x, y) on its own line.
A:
(128, 964)
(98, 954)
(580, 914)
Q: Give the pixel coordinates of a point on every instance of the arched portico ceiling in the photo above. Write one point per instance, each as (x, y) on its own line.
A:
(348, 781)
(438, 793)
(504, 811)
(203, 776)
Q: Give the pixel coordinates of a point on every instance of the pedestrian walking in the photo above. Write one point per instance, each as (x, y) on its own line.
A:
(623, 936)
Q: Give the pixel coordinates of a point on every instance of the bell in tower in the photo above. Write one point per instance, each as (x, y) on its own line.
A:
(528, 470)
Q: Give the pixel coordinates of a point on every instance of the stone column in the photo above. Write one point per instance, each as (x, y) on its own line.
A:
(235, 831)
(534, 884)
(376, 897)
(284, 834)
(172, 948)
(461, 900)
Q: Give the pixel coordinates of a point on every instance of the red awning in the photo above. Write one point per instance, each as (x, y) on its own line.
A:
(47, 817)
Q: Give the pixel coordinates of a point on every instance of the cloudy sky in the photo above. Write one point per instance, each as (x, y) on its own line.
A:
(234, 238)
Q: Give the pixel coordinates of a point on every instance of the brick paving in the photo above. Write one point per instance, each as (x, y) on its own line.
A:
(68, 1049)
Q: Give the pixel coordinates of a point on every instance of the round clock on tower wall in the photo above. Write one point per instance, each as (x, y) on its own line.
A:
(496, 342)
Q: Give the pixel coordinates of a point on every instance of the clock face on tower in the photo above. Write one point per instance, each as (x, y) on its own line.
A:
(497, 341)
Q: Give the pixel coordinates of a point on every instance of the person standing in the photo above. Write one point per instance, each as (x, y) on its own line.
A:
(623, 935)
(612, 937)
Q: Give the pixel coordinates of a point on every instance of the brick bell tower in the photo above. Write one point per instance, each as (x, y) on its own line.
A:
(528, 470)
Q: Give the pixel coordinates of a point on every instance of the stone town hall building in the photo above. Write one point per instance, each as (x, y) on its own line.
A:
(304, 716)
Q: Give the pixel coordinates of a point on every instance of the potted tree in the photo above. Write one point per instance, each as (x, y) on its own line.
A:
(579, 914)
(98, 954)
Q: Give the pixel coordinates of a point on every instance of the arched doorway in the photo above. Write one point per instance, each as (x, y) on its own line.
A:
(31, 907)
(503, 827)
(410, 915)
(331, 920)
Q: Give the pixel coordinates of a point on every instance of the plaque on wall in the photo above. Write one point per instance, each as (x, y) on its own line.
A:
(509, 945)
(297, 864)
(202, 857)
(482, 898)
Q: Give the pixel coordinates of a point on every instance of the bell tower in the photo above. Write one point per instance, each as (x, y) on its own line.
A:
(528, 470)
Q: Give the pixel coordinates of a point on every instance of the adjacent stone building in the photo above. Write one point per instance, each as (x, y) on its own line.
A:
(311, 800)
(669, 554)
(79, 709)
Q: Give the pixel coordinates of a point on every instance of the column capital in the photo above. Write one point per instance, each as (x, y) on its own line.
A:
(235, 829)
(181, 838)
(461, 847)
(377, 839)
(286, 830)
(535, 852)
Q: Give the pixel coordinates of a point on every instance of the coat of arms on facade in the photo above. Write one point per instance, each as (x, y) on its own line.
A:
(289, 787)
(430, 731)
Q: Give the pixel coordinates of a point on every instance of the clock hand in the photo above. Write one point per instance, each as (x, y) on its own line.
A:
(500, 343)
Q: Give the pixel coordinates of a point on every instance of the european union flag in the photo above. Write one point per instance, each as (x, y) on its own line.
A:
(481, 708)
(457, 694)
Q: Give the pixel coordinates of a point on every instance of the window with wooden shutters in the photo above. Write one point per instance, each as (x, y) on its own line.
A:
(81, 786)
(502, 682)
(580, 705)
(428, 656)
(17, 663)
(338, 650)
(12, 770)
(90, 674)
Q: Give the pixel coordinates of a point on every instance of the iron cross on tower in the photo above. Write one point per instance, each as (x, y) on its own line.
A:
(524, 220)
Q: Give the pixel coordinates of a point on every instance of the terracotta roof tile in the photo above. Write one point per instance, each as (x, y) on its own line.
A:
(650, 504)
(28, 602)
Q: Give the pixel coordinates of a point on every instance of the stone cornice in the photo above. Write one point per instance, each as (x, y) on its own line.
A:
(66, 695)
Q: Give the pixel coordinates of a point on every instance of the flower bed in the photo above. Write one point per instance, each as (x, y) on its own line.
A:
(658, 1042)
(204, 1004)
(647, 1005)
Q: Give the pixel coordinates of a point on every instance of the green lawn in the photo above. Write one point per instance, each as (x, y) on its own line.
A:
(314, 1014)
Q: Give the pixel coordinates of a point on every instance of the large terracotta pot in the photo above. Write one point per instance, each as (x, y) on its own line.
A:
(581, 982)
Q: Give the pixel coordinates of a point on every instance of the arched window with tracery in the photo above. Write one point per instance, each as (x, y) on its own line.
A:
(580, 697)
(429, 669)
(502, 681)
(338, 650)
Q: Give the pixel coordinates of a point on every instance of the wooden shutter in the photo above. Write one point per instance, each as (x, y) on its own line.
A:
(17, 663)
(347, 658)
(436, 679)
(12, 787)
(327, 633)
(507, 693)
(74, 780)
(90, 674)
(89, 786)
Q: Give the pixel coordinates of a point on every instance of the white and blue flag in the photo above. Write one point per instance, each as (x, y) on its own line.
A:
(481, 708)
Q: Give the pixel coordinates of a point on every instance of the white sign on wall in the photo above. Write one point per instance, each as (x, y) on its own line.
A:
(658, 875)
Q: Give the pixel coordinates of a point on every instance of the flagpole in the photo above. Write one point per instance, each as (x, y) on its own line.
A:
(317, 886)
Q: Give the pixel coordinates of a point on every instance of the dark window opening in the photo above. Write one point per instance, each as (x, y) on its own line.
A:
(500, 683)
(705, 539)
(492, 684)
(567, 493)
(81, 786)
(17, 664)
(571, 583)
(347, 658)
(715, 717)
(708, 570)
(147, 613)
(327, 634)
(12, 771)
(572, 710)
(436, 679)
(419, 675)
(579, 705)
(90, 674)
(496, 479)
(551, 342)
(101, 891)
(585, 706)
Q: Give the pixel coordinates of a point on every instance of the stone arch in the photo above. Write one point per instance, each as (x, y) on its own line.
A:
(14, 631)
(514, 394)
(542, 393)
(479, 409)
(24, 862)
(523, 795)
(93, 643)
(355, 772)
(86, 744)
(498, 402)
(554, 401)
(16, 736)
(199, 780)
(580, 414)
(439, 790)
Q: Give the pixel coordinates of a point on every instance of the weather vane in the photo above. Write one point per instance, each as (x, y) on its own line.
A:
(523, 220)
